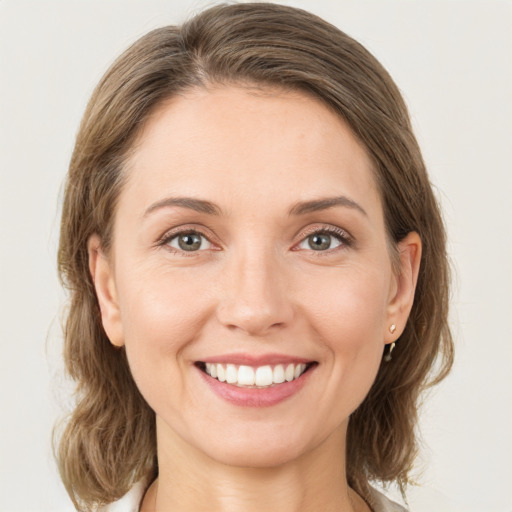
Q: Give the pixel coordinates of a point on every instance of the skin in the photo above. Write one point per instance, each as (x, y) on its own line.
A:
(254, 286)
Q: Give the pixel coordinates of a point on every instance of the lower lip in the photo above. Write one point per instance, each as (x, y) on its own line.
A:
(255, 397)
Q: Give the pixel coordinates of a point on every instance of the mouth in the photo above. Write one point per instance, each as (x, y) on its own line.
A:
(255, 377)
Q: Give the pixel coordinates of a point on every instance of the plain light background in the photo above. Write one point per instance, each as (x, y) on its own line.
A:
(453, 62)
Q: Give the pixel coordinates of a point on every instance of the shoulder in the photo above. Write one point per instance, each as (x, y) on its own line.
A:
(130, 502)
(381, 503)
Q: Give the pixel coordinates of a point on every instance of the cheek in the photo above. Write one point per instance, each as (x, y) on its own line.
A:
(160, 308)
(348, 317)
(161, 314)
(350, 308)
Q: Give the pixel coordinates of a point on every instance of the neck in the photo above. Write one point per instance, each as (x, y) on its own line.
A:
(190, 481)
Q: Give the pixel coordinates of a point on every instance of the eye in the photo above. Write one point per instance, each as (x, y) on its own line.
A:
(320, 242)
(189, 241)
(325, 239)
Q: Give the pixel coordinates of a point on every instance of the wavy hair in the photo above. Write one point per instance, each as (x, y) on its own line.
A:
(109, 442)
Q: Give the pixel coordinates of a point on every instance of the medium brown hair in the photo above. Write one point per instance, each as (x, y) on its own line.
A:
(109, 440)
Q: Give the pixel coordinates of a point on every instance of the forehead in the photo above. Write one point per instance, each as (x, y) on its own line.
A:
(230, 143)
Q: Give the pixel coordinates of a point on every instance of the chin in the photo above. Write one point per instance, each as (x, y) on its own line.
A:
(255, 456)
(257, 448)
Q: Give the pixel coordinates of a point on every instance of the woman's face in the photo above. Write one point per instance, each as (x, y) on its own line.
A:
(249, 245)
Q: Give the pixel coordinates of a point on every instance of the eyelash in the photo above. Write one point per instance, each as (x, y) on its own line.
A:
(343, 237)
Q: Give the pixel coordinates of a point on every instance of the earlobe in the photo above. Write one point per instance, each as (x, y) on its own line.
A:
(102, 275)
(401, 301)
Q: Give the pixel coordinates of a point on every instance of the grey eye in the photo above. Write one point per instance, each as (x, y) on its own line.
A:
(320, 242)
(189, 242)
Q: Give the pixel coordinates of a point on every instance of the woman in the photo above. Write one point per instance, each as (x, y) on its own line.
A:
(257, 268)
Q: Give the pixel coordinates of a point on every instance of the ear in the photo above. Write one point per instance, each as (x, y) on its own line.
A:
(402, 293)
(102, 275)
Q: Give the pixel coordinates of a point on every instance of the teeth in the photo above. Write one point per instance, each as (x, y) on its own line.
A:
(298, 370)
(245, 376)
(231, 374)
(278, 376)
(262, 376)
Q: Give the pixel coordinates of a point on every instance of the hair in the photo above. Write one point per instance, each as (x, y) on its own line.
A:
(109, 440)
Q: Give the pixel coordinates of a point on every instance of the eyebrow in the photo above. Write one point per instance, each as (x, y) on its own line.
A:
(323, 204)
(300, 208)
(199, 205)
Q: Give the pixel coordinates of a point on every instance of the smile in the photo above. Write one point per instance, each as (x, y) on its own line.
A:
(255, 377)
(246, 380)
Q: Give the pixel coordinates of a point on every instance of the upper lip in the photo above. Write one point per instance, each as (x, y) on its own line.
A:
(255, 360)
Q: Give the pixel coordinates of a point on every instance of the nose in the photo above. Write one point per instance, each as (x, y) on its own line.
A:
(255, 298)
